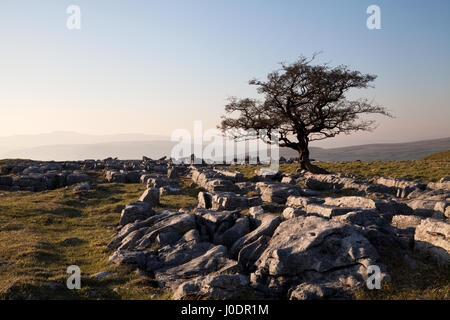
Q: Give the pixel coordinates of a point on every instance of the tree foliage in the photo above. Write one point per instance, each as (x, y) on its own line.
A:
(302, 102)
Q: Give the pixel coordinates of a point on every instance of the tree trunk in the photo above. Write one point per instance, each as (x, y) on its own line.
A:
(305, 163)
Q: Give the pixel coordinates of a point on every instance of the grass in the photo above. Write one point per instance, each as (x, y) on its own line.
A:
(440, 156)
(427, 170)
(33, 227)
(428, 281)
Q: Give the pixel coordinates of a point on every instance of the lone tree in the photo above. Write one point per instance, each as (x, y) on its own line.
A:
(303, 103)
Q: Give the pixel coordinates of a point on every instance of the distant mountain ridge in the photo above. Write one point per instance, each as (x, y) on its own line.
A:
(25, 141)
(120, 149)
(377, 152)
(127, 148)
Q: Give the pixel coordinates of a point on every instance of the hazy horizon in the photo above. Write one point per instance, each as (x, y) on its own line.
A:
(139, 136)
(63, 146)
(148, 68)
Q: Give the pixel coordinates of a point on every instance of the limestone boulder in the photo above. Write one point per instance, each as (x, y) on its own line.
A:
(135, 211)
(432, 238)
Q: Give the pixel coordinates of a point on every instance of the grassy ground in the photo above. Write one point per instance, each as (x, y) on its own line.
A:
(427, 281)
(428, 170)
(33, 227)
(440, 156)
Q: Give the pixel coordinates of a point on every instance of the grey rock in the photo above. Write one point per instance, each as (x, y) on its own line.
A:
(251, 251)
(302, 202)
(6, 181)
(132, 257)
(444, 183)
(312, 291)
(290, 213)
(267, 174)
(82, 187)
(255, 212)
(157, 182)
(174, 255)
(238, 230)
(168, 190)
(326, 211)
(410, 262)
(135, 211)
(202, 265)
(403, 186)
(288, 179)
(138, 224)
(313, 243)
(432, 238)
(383, 206)
(172, 173)
(231, 201)
(218, 287)
(277, 192)
(220, 185)
(180, 223)
(204, 200)
(268, 224)
(377, 229)
(150, 196)
(425, 208)
(115, 176)
(406, 221)
(234, 176)
(32, 170)
(245, 187)
(167, 238)
(306, 248)
(75, 178)
(132, 177)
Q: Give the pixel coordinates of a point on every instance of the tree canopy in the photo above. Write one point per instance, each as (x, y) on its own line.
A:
(303, 102)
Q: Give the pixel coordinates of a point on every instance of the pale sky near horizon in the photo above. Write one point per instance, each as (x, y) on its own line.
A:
(155, 66)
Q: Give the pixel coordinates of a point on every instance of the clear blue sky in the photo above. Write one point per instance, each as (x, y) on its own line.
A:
(154, 66)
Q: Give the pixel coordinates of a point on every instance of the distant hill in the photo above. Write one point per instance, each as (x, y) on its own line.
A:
(377, 152)
(440, 156)
(28, 141)
(135, 149)
(121, 150)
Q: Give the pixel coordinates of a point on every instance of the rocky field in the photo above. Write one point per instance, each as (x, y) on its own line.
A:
(151, 229)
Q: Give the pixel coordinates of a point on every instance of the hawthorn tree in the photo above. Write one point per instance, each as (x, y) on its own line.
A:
(302, 102)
